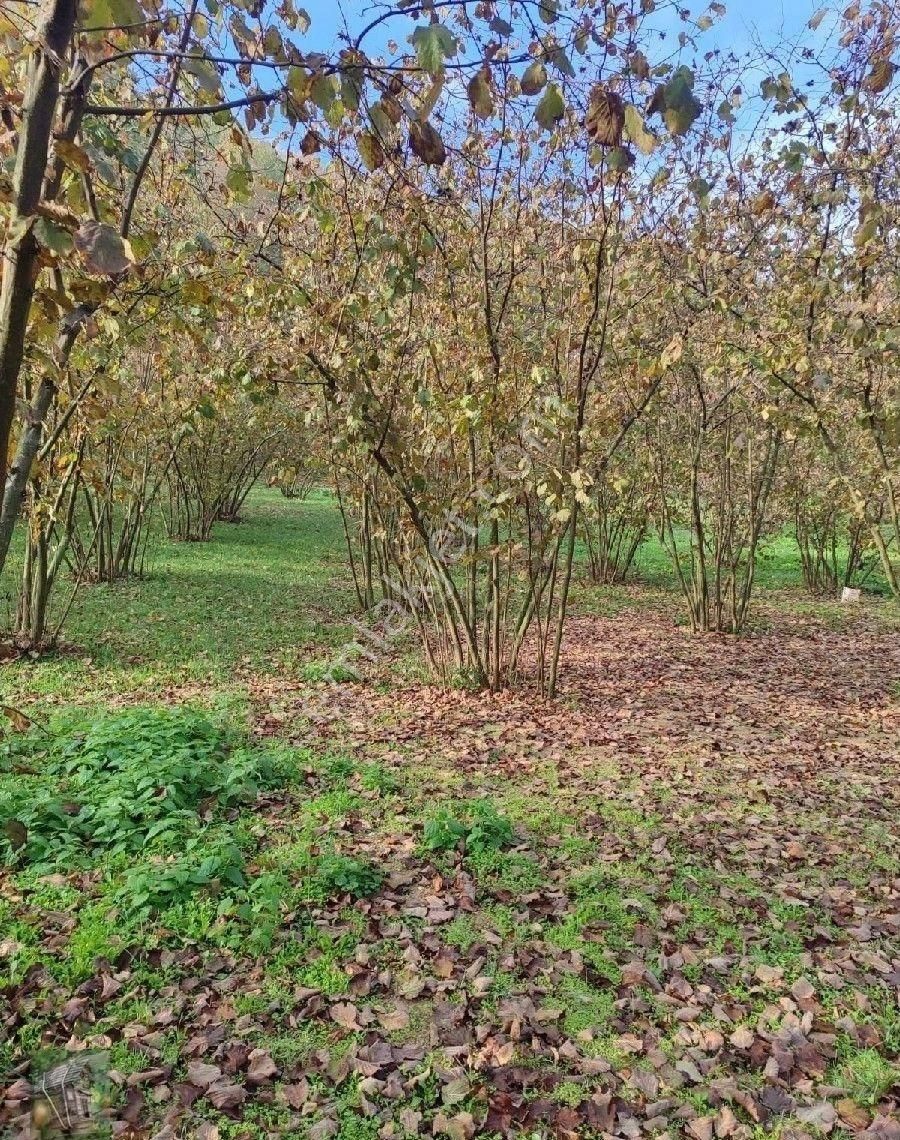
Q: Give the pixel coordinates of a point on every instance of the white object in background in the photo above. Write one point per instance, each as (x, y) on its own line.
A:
(848, 594)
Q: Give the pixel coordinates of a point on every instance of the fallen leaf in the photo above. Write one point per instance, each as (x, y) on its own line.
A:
(803, 989)
(455, 1091)
(443, 966)
(226, 1096)
(346, 1014)
(296, 1095)
(202, 1075)
(769, 974)
(701, 1128)
(393, 1019)
(742, 1038)
(852, 1114)
(323, 1128)
(821, 1115)
(261, 1067)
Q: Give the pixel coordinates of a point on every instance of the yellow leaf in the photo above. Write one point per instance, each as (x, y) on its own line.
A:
(672, 352)
(17, 719)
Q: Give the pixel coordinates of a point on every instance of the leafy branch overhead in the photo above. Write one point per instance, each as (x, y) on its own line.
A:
(110, 80)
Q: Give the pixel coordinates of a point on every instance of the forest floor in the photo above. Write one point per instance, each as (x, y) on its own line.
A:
(666, 904)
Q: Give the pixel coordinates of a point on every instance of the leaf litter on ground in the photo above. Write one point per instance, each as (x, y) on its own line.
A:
(696, 930)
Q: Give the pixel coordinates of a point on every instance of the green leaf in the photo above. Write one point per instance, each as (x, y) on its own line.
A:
(299, 84)
(238, 180)
(370, 150)
(350, 91)
(548, 10)
(205, 73)
(557, 56)
(681, 105)
(481, 98)
(725, 111)
(700, 188)
(779, 88)
(618, 159)
(534, 78)
(433, 43)
(636, 130)
(335, 114)
(53, 237)
(273, 45)
(551, 108)
(324, 90)
(109, 14)
(383, 124)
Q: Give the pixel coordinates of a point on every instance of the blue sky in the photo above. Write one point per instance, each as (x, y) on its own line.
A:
(771, 18)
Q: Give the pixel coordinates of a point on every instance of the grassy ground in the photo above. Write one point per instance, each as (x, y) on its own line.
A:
(667, 904)
(254, 599)
(272, 594)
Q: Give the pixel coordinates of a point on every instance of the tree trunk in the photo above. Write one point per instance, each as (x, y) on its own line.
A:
(17, 479)
(20, 251)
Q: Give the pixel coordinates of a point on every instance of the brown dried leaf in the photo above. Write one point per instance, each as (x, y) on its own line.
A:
(443, 966)
(296, 1095)
(700, 1128)
(742, 1038)
(225, 1096)
(605, 119)
(346, 1014)
(852, 1114)
(394, 1019)
(104, 251)
(202, 1075)
(261, 1068)
(426, 143)
(803, 989)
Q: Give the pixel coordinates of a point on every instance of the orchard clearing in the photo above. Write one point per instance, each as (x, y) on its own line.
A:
(666, 903)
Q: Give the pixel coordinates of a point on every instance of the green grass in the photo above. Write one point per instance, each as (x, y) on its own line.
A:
(562, 870)
(251, 600)
(265, 596)
(777, 563)
(867, 1076)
